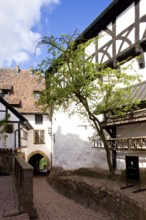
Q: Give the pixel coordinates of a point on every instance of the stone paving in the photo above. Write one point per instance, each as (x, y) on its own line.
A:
(51, 205)
(9, 203)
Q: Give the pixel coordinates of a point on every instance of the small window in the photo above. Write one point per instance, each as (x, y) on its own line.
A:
(6, 92)
(39, 137)
(36, 95)
(24, 135)
(39, 119)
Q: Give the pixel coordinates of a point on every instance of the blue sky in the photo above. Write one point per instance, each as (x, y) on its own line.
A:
(22, 27)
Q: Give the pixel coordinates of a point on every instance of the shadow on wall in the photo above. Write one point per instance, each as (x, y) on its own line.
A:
(71, 152)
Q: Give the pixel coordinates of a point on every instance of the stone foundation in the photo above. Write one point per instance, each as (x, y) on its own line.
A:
(6, 161)
(100, 194)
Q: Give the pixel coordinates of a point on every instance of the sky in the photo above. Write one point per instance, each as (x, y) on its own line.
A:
(24, 22)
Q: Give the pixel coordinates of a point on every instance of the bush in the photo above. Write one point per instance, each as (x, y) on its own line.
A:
(8, 128)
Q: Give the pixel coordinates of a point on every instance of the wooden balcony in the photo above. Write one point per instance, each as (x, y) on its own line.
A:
(123, 144)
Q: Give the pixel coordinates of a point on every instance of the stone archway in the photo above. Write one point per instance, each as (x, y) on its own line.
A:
(34, 159)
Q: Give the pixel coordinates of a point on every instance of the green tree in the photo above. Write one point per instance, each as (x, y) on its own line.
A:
(73, 78)
(6, 128)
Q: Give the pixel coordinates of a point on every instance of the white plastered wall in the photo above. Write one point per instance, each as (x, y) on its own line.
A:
(10, 139)
(36, 148)
(72, 148)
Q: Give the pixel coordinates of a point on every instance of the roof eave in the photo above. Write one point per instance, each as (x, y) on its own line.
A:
(110, 13)
(23, 120)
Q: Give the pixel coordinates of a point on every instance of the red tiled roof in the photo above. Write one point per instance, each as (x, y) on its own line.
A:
(5, 86)
(14, 101)
(24, 84)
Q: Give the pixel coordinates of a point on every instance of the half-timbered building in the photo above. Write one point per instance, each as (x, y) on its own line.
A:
(12, 123)
(121, 28)
(21, 89)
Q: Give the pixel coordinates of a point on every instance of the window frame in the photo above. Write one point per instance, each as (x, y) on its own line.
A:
(37, 95)
(24, 135)
(37, 117)
(39, 141)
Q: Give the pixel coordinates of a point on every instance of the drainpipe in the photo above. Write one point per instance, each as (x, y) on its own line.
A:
(15, 138)
(19, 138)
(52, 142)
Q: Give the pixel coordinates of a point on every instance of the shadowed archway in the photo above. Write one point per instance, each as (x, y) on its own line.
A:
(40, 162)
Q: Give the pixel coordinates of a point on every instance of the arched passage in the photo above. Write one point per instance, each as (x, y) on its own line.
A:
(40, 162)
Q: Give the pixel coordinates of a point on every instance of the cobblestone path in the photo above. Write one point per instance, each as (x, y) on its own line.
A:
(9, 203)
(51, 205)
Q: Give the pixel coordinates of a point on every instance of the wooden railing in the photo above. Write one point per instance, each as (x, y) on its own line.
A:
(125, 144)
(24, 181)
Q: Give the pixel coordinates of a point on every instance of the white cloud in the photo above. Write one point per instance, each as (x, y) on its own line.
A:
(17, 18)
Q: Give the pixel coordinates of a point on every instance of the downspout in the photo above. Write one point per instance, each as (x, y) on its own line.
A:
(51, 147)
(15, 138)
(19, 138)
(52, 143)
(19, 134)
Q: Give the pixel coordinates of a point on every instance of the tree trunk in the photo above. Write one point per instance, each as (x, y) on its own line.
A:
(108, 155)
(98, 127)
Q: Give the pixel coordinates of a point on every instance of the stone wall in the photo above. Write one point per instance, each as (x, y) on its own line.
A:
(99, 193)
(24, 181)
(6, 161)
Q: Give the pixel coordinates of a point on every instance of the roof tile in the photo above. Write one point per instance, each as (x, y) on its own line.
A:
(24, 85)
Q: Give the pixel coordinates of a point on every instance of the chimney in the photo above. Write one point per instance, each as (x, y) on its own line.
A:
(17, 70)
(31, 71)
(30, 68)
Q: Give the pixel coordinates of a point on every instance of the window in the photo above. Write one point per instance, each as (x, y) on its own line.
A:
(24, 135)
(39, 137)
(36, 95)
(38, 119)
(6, 92)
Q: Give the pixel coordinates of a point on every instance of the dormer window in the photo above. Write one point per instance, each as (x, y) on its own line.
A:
(6, 92)
(39, 119)
(36, 95)
(5, 89)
